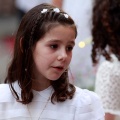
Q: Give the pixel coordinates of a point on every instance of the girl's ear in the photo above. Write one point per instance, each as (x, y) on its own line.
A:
(21, 47)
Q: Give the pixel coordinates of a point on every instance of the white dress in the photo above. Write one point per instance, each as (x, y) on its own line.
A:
(85, 105)
(107, 86)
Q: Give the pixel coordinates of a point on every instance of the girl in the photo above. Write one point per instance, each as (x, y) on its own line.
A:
(106, 43)
(38, 86)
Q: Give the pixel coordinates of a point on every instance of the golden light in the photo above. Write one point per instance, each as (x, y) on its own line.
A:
(81, 44)
(85, 42)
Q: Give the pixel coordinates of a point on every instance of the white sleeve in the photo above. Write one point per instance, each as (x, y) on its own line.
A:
(108, 87)
(93, 110)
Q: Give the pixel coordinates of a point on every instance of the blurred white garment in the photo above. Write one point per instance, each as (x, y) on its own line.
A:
(26, 5)
(108, 86)
(81, 12)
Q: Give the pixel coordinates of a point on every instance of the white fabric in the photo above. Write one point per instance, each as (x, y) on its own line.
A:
(85, 105)
(108, 85)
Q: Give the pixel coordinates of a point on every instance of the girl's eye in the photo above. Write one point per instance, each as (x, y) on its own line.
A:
(54, 46)
(69, 48)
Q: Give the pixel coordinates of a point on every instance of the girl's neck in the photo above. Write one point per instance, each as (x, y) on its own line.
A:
(39, 86)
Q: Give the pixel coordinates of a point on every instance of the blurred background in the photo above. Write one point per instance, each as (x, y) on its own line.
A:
(82, 73)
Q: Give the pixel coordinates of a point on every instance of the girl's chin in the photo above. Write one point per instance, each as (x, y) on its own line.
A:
(54, 78)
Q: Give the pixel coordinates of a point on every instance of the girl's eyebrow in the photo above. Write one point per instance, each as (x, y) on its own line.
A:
(54, 40)
(72, 42)
(59, 41)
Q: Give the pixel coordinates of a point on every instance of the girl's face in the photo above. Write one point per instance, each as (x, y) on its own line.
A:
(52, 54)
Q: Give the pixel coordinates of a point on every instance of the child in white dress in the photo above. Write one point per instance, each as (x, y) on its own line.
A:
(37, 84)
(106, 43)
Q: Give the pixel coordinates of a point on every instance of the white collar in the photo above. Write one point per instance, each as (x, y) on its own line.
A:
(46, 93)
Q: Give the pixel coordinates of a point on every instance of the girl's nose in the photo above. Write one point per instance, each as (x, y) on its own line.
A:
(62, 55)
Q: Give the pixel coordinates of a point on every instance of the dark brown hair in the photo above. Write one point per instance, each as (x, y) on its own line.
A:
(106, 29)
(33, 27)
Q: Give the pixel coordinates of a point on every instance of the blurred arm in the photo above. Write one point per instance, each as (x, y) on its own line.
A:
(57, 3)
(109, 116)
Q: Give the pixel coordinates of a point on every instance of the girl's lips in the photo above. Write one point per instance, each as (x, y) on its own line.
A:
(58, 68)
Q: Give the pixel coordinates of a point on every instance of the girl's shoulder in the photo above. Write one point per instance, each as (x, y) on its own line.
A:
(86, 97)
(4, 88)
(88, 103)
(5, 93)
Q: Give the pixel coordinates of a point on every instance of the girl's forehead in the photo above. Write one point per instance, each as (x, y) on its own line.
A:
(60, 33)
(61, 29)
